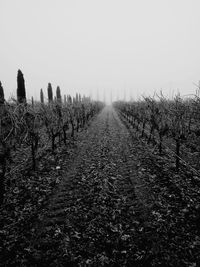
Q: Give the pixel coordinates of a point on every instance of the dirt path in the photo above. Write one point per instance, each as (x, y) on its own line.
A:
(96, 216)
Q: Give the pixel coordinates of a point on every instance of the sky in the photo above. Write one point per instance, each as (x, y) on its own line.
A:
(117, 48)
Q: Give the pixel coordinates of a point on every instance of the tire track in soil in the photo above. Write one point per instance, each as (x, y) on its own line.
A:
(96, 216)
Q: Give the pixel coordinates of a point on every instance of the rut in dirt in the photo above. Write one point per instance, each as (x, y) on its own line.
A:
(96, 215)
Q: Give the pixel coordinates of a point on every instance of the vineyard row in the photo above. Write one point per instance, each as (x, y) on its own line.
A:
(29, 128)
(172, 124)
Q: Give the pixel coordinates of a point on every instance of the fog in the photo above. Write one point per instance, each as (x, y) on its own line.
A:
(122, 48)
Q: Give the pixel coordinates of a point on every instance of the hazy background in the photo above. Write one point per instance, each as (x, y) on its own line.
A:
(128, 47)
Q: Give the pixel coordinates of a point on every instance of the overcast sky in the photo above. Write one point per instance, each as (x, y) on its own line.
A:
(128, 47)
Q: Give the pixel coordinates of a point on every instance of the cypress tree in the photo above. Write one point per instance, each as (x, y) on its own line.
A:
(32, 101)
(58, 94)
(65, 100)
(21, 91)
(69, 99)
(50, 92)
(1, 94)
(76, 99)
(41, 96)
(79, 97)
